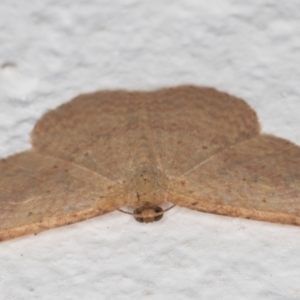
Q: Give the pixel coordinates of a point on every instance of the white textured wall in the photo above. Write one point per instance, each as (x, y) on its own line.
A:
(53, 50)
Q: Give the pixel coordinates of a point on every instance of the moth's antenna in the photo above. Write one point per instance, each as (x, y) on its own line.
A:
(169, 208)
(125, 212)
(130, 213)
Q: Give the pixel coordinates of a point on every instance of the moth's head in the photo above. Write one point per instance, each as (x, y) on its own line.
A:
(148, 214)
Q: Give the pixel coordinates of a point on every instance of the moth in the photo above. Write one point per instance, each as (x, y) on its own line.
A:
(191, 146)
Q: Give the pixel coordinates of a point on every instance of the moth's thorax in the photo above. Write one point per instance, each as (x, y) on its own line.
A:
(146, 183)
(146, 186)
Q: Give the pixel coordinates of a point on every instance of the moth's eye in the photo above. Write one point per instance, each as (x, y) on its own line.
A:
(158, 209)
(137, 213)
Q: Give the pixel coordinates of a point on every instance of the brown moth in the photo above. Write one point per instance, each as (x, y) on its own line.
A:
(192, 146)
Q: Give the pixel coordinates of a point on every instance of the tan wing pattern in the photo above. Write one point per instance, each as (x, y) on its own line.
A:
(40, 192)
(183, 126)
(257, 179)
(98, 131)
(189, 124)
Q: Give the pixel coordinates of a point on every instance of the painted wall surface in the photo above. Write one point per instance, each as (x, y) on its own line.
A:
(51, 51)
